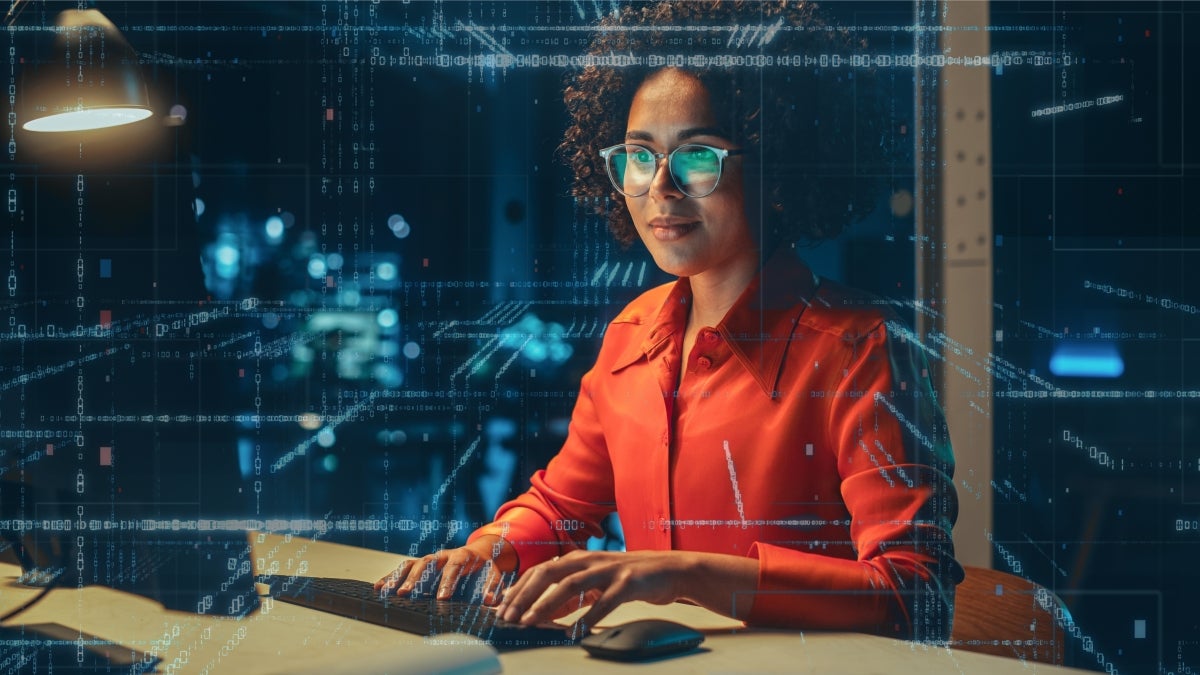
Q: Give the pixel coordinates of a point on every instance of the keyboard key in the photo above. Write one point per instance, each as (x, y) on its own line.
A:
(423, 616)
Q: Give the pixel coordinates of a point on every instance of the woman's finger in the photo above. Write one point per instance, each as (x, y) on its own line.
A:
(422, 571)
(395, 578)
(497, 583)
(390, 580)
(529, 588)
(576, 603)
(571, 592)
(452, 571)
(602, 605)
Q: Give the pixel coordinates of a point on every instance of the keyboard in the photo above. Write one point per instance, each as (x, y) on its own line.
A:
(423, 616)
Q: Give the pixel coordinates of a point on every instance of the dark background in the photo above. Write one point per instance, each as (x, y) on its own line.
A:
(410, 404)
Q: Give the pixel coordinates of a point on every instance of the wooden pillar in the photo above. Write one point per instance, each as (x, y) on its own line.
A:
(954, 251)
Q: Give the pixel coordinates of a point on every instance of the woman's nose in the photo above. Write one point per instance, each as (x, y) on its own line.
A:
(662, 186)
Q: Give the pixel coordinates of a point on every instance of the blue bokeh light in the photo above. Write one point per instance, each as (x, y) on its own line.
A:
(1087, 360)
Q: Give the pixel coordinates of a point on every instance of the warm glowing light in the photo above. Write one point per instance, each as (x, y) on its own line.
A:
(87, 120)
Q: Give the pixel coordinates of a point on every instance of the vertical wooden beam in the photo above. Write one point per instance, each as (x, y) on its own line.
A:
(954, 252)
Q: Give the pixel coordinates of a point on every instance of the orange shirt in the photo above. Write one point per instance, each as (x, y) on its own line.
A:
(804, 434)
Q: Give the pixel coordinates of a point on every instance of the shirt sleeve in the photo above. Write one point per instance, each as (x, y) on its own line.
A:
(896, 468)
(567, 500)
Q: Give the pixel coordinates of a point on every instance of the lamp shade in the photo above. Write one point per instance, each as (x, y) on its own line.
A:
(92, 82)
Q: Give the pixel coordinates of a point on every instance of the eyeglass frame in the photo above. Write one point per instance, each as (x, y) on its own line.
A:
(721, 153)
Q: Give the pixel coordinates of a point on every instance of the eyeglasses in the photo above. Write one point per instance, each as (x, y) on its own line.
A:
(695, 169)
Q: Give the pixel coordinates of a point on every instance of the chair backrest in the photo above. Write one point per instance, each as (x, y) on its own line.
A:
(1002, 614)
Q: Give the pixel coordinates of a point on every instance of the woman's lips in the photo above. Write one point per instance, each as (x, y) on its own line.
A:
(672, 229)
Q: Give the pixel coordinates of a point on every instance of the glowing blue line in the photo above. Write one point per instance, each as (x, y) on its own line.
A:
(1087, 361)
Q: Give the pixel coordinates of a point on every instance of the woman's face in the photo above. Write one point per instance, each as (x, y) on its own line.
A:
(687, 236)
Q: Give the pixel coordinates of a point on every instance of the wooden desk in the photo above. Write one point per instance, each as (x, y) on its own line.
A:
(285, 638)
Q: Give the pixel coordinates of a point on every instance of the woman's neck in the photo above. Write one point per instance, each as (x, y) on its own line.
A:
(715, 291)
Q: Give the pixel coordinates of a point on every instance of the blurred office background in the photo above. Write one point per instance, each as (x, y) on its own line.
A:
(335, 285)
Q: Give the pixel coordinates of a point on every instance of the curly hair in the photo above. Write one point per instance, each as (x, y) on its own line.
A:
(814, 134)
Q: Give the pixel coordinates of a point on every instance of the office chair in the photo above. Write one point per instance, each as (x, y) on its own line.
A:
(1002, 614)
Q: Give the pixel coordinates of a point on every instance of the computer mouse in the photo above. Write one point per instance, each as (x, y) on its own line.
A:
(642, 639)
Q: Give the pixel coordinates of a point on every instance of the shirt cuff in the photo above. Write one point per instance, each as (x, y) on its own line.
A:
(526, 532)
(797, 589)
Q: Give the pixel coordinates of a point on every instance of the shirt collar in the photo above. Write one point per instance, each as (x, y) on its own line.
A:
(757, 328)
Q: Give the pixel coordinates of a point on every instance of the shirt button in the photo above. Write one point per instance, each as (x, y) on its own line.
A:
(711, 336)
(704, 362)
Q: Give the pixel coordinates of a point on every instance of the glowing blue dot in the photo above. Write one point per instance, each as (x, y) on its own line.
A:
(270, 320)
(386, 271)
(274, 228)
(199, 207)
(228, 255)
(530, 323)
(399, 226)
(334, 261)
(388, 318)
(536, 351)
(388, 375)
(316, 267)
(330, 463)
(412, 350)
(326, 438)
(560, 352)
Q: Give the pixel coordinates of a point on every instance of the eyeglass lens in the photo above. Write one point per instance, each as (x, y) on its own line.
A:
(694, 168)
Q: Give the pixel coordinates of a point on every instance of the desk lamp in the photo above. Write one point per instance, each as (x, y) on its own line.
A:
(93, 82)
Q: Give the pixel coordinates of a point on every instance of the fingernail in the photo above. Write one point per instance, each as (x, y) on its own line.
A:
(527, 617)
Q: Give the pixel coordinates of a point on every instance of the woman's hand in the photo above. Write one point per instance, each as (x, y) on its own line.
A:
(606, 580)
(489, 559)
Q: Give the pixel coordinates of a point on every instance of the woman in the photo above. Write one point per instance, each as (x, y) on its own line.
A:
(769, 440)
